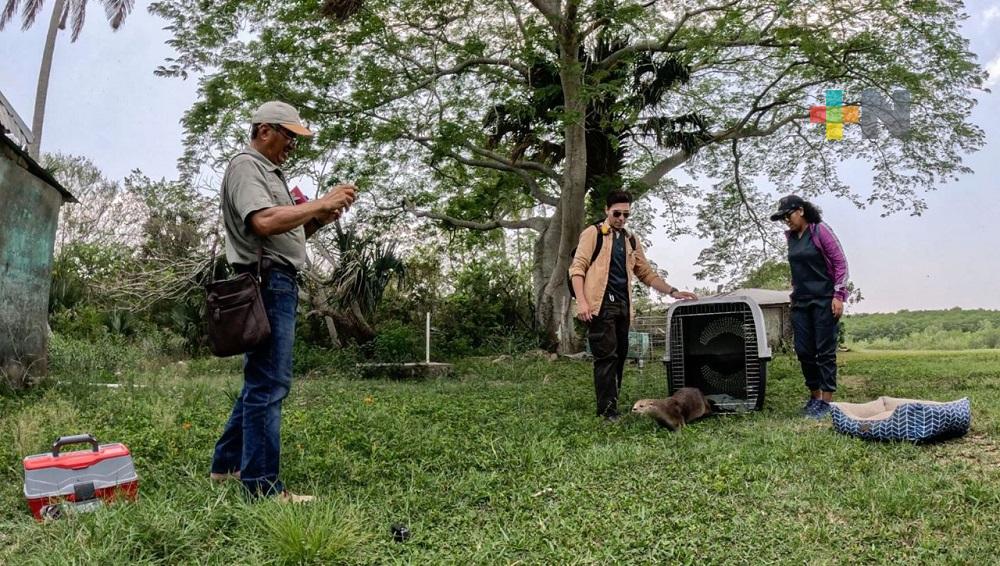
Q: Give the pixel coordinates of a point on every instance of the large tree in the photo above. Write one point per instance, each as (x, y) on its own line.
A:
(492, 114)
(73, 12)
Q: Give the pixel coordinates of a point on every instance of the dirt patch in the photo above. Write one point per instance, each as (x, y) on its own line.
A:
(975, 448)
(853, 383)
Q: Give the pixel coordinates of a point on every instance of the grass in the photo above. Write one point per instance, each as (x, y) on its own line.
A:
(505, 463)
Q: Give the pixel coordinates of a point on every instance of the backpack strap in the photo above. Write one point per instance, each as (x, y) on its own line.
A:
(598, 243)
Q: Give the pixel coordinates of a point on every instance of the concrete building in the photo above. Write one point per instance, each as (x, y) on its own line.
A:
(30, 199)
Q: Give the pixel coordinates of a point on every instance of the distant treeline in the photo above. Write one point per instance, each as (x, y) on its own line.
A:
(953, 329)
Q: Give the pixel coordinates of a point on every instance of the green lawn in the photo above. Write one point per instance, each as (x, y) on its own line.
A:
(505, 464)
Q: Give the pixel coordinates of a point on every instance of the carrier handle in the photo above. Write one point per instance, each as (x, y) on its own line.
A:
(75, 439)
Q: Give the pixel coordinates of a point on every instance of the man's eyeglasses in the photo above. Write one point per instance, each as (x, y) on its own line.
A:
(618, 214)
(292, 138)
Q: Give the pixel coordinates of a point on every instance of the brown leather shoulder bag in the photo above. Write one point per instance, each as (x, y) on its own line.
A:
(237, 321)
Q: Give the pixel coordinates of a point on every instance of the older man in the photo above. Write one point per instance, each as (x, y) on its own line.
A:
(260, 214)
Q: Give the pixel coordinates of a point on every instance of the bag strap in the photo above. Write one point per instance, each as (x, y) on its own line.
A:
(260, 261)
(211, 264)
(598, 243)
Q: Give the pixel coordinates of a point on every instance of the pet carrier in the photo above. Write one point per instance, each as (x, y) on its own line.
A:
(718, 345)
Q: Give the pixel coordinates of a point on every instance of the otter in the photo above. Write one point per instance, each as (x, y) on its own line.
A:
(684, 406)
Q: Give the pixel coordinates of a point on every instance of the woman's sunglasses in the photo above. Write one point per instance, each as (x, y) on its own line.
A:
(618, 213)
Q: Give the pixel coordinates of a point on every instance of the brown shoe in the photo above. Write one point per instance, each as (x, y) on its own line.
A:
(289, 497)
(224, 477)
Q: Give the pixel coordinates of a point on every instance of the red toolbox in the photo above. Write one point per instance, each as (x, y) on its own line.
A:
(78, 481)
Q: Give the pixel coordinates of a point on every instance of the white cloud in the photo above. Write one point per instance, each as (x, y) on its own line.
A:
(993, 68)
(991, 13)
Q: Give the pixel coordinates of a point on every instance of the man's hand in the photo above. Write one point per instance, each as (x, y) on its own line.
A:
(326, 218)
(583, 310)
(838, 308)
(340, 198)
(684, 295)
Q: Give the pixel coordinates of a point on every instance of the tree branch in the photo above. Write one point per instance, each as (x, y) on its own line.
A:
(499, 163)
(743, 196)
(549, 9)
(661, 45)
(667, 164)
(536, 223)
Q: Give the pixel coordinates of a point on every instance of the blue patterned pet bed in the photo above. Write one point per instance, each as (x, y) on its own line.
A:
(888, 418)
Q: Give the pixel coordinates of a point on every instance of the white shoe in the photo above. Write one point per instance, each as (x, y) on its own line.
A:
(224, 477)
(289, 497)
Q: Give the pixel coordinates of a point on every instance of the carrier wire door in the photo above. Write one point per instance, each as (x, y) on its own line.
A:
(719, 345)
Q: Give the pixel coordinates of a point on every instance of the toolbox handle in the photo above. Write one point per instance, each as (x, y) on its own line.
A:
(75, 439)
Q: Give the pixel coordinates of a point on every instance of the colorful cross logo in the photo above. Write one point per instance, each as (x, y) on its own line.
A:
(892, 112)
(835, 114)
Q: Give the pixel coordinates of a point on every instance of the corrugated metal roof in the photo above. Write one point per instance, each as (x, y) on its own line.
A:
(35, 169)
(12, 123)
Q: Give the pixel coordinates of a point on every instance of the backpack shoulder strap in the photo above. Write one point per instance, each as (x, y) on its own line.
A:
(631, 238)
(598, 243)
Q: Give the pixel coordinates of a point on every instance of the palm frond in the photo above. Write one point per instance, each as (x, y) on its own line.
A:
(365, 267)
(79, 14)
(64, 16)
(9, 9)
(117, 11)
(30, 12)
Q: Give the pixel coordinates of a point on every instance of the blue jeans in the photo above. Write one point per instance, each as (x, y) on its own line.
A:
(251, 441)
(815, 330)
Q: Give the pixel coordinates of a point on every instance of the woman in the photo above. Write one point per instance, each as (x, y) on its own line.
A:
(819, 289)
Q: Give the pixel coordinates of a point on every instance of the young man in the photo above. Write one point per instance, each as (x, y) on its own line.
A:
(602, 285)
(259, 213)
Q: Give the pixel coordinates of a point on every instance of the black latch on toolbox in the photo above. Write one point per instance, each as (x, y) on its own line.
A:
(83, 492)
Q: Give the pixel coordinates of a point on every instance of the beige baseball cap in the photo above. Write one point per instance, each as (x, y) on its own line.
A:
(277, 112)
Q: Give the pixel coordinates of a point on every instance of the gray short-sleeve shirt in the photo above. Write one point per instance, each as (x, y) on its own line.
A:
(252, 183)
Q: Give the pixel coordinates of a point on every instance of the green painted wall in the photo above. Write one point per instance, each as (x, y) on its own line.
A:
(29, 212)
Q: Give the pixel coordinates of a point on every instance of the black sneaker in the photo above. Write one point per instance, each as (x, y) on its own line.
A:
(819, 410)
(810, 405)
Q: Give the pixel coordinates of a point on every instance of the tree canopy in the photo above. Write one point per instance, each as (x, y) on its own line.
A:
(493, 114)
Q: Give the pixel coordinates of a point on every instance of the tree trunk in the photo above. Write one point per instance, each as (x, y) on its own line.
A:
(318, 300)
(42, 92)
(554, 314)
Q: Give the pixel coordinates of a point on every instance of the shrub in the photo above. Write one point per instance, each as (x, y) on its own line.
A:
(102, 359)
(396, 343)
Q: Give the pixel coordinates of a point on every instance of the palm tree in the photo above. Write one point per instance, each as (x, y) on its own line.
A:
(63, 11)
(349, 295)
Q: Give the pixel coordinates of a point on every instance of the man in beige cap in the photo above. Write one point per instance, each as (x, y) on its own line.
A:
(260, 214)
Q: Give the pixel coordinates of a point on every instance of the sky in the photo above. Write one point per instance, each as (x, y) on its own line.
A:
(105, 103)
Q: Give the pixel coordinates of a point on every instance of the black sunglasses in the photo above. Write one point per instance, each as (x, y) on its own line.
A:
(617, 213)
(294, 139)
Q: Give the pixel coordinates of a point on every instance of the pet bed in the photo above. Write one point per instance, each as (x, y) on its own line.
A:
(889, 418)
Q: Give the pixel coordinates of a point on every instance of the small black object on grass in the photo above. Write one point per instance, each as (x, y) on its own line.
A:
(400, 532)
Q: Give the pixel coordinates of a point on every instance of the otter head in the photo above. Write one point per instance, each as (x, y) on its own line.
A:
(644, 406)
(666, 412)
